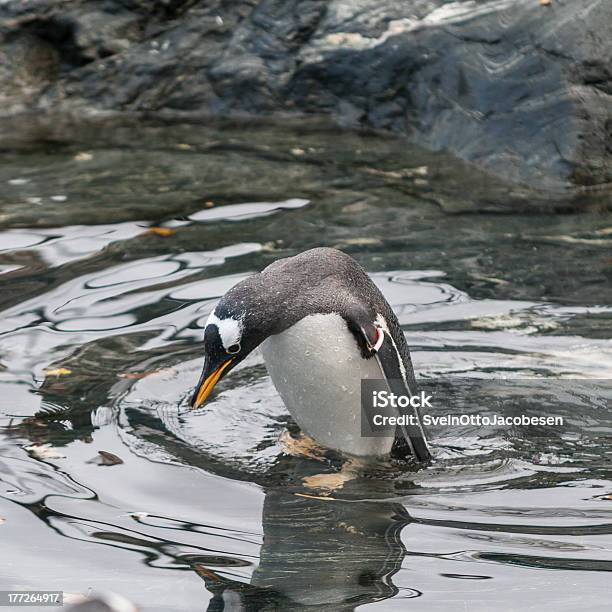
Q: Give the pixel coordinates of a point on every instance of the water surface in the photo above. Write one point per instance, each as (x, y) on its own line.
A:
(117, 241)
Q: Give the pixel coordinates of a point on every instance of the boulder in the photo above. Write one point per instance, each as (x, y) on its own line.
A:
(521, 88)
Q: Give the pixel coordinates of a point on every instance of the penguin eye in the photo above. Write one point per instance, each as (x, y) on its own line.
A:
(233, 349)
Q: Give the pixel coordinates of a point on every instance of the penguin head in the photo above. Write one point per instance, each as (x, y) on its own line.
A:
(240, 322)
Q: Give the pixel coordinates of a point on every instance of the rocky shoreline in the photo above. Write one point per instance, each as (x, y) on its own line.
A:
(520, 88)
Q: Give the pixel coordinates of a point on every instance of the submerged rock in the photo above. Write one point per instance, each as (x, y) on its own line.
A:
(522, 89)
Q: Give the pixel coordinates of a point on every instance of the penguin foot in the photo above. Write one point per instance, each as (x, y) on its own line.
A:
(303, 446)
(326, 484)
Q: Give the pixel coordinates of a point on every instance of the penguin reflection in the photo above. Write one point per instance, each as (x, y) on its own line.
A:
(317, 554)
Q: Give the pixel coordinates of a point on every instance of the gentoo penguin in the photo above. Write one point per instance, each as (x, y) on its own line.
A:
(323, 326)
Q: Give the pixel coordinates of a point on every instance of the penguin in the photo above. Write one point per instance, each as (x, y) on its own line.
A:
(323, 327)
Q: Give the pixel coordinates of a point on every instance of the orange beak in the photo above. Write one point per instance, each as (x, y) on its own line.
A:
(208, 385)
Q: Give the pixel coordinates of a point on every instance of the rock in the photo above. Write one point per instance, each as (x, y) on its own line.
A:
(520, 88)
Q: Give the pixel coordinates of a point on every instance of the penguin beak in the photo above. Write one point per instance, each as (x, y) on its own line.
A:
(207, 382)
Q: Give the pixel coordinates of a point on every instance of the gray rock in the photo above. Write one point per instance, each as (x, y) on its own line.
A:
(520, 89)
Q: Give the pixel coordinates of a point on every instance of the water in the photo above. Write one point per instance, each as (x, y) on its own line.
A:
(99, 351)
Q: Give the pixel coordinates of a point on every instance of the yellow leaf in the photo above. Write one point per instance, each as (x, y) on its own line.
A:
(161, 231)
(58, 372)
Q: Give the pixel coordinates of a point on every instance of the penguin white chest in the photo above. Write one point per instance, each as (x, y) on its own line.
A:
(317, 368)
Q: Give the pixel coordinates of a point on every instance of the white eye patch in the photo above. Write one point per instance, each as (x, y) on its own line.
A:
(230, 330)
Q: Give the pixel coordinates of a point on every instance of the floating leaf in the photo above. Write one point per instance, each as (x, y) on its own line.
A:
(490, 279)
(161, 231)
(106, 458)
(58, 372)
(205, 573)
(139, 515)
(399, 174)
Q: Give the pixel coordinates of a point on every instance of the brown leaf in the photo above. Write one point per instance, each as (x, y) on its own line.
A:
(107, 458)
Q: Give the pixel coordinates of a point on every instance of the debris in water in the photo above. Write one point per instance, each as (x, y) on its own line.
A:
(58, 372)
(399, 174)
(607, 497)
(161, 231)
(138, 515)
(490, 279)
(106, 458)
(83, 157)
